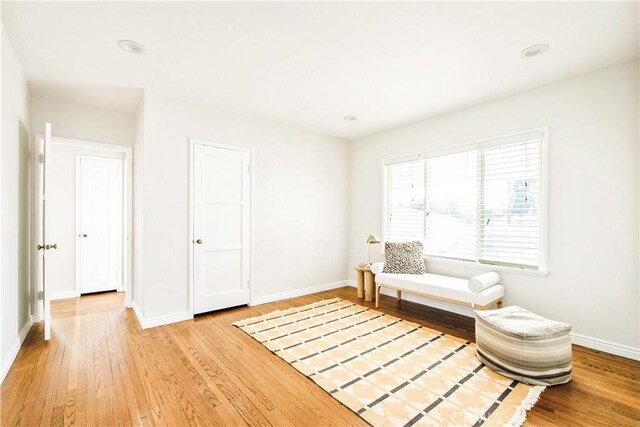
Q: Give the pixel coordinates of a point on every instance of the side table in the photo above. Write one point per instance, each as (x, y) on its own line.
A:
(366, 283)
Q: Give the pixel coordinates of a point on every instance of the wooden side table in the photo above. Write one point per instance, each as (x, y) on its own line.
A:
(366, 283)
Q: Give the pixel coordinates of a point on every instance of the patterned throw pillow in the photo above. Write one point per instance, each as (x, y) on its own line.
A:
(404, 258)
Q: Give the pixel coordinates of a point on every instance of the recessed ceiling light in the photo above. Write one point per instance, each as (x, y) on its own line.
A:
(349, 118)
(535, 50)
(132, 47)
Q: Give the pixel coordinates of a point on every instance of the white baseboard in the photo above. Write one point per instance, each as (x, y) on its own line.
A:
(298, 292)
(606, 346)
(583, 340)
(137, 312)
(63, 295)
(13, 352)
(159, 320)
(179, 317)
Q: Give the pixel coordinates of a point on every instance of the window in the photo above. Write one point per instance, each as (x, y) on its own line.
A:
(481, 203)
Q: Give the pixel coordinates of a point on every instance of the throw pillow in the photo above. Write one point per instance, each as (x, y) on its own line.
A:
(404, 258)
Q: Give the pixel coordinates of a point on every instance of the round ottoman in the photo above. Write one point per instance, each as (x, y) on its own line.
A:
(524, 346)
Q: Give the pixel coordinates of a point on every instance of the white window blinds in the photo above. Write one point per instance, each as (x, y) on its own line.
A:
(404, 207)
(452, 190)
(510, 210)
(482, 204)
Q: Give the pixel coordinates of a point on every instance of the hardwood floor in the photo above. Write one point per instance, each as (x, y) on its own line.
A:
(100, 368)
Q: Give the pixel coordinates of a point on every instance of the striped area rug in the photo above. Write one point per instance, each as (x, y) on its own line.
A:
(390, 371)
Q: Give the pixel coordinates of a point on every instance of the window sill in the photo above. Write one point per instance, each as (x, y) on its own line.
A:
(488, 267)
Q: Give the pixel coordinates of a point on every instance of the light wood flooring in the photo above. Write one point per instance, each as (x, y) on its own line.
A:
(100, 368)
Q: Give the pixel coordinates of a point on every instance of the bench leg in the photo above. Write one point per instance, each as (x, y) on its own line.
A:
(499, 304)
(377, 296)
(398, 295)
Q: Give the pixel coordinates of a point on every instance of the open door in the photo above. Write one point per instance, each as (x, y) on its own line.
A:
(43, 233)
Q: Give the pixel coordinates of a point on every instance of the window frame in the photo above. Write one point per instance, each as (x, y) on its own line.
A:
(542, 269)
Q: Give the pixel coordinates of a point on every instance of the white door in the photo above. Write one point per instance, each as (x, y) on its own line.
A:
(221, 228)
(43, 158)
(100, 215)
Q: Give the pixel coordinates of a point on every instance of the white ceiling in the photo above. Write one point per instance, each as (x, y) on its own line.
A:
(309, 64)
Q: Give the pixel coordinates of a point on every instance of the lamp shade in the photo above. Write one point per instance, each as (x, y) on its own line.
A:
(372, 239)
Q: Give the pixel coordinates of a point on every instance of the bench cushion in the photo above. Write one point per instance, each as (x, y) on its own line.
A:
(441, 286)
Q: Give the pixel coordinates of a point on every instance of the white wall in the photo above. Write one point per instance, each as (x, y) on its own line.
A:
(15, 206)
(78, 121)
(593, 194)
(300, 202)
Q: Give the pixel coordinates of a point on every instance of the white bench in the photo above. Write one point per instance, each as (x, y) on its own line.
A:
(487, 290)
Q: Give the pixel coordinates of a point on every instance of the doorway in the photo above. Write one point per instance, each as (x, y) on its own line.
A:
(89, 192)
(221, 195)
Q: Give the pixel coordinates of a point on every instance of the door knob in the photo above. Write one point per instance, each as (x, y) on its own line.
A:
(83, 235)
(54, 246)
(199, 241)
(40, 247)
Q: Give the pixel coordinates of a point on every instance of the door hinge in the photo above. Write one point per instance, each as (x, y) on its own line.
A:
(40, 295)
(249, 168)
(40, 158)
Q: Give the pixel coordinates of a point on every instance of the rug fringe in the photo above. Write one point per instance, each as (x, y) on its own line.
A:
(521, 413)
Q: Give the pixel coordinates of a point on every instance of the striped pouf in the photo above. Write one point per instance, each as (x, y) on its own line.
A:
(524, 346)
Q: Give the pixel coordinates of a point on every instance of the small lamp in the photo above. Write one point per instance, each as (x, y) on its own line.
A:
(371, 240)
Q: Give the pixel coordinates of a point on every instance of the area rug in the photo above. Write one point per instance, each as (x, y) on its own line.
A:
(390, 371)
